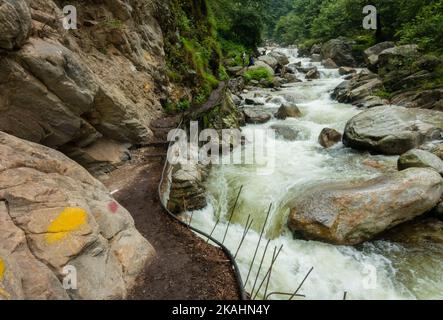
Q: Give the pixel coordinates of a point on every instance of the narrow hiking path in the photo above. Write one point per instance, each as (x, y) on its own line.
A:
(186, 267)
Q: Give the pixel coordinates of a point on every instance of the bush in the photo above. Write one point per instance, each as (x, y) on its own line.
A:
(258, 74)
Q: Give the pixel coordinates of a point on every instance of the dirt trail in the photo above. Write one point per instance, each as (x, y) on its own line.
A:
(186, 267)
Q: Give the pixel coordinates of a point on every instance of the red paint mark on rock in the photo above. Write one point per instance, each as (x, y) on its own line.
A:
(113, 206)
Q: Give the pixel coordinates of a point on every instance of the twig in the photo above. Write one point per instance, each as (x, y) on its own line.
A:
(258, 244)
(232, 214)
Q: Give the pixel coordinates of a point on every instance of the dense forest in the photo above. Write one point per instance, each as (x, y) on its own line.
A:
(224, 29)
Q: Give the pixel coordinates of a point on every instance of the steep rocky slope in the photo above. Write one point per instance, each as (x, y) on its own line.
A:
(89, 92)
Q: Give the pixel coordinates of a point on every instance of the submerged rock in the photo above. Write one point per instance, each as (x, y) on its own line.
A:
(313, 74)
(349, 213)
(285, 132)
(417, 158)
(329, 137)
(392, 130)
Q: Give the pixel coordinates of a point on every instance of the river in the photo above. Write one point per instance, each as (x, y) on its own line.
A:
(374, 270)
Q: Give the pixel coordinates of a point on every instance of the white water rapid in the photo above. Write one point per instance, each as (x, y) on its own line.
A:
(375, 270)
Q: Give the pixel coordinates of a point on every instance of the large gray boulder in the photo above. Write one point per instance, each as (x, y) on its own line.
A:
(281, 58)
(350, 213)
(359, 90)
(15, 23)
(54, 214)
(371, 54)
(392, 130)
(269, 60)
(340, 51)
(417, 158)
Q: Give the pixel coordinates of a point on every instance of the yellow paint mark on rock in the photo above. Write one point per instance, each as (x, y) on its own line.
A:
(69, 220)
(4, 294)
(2, 269)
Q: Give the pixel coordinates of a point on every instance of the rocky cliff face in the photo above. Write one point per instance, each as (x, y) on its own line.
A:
(77, 90)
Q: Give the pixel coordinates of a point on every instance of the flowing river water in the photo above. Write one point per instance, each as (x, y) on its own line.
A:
(374, 270)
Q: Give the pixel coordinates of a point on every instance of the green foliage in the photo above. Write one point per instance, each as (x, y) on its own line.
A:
(258, 74)
(411, 21)
(383, 94)
(192, 49)
(426, 29)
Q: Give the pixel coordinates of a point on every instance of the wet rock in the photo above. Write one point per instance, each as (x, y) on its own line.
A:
(256, 116)
(371, 54)
(349, 213)
(15, 23)
(57, 214)
(424, 233)
(285, 132)
(339, 51)
(346, 70)
(417, 158)
(288, 111)
(313, 74)
(329, 64)
(291, 78)
(291, 68)
(329, 137)
(316, 58)
(393, 130)
(306, 69)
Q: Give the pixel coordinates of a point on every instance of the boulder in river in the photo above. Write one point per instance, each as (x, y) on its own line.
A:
(392, 130)
(329, 137)
(346, 70)
(417, 158)
(313, 74)
(288, 111)
(349, 213)
(285, 132)
(329, 64)
(255, 116)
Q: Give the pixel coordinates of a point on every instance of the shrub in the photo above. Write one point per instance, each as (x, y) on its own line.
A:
(258, 74)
